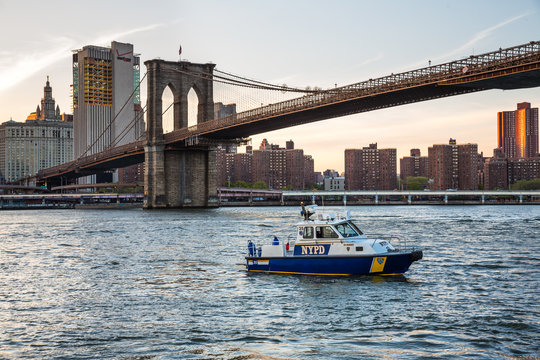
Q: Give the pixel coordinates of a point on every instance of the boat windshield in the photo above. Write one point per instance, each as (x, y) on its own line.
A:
(355, 227)
(347, 229)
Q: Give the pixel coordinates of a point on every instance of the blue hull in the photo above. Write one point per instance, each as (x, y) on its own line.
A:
(384, 264)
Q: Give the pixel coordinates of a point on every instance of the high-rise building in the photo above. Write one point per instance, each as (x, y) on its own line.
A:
(440, 167)
(468, 166)
(496, 171)
(523, 169)
(309, 171)
(106, 98)
(221, 110)
(242, 167)
(517, 131)
(225, 154)
(295, 167)
(225, 164)
(370, 168)
(388, 169)
(275, 166)
(453, 166)
(44, 140)
(281, 168)
(414, 165)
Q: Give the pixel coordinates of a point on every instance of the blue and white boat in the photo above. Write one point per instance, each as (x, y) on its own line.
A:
(330, 244)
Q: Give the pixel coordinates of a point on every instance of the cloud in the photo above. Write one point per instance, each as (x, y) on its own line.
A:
(469, 44)
(16, 68)
(480, 36)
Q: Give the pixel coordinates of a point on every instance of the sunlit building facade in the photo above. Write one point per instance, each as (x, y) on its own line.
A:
(106, 98)
(517, 131)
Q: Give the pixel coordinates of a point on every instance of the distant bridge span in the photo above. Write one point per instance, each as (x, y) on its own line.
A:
(512, 68)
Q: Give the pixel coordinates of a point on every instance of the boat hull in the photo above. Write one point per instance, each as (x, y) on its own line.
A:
(381, 264)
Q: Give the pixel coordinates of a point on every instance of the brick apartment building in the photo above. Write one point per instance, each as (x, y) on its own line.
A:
(370, 168)
(414, 165)
(453, 166)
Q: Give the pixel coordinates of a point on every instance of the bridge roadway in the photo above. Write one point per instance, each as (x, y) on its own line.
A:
(512, 68)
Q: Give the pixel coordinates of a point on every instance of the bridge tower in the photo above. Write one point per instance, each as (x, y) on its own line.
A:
(182, 175)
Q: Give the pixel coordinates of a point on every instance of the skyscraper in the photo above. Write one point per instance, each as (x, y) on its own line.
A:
(309, 171)
(517, 131)
(106, 98)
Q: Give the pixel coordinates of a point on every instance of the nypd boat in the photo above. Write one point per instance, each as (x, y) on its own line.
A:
(331, 244)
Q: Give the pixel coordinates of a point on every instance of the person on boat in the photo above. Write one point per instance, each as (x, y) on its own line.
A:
(304, 212)
(275, 241)
(251, 248)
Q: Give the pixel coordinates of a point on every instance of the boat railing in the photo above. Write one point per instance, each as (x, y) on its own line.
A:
(397, 242)
(257, 246)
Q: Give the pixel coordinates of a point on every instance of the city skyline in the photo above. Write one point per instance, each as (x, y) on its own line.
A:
(273, 53)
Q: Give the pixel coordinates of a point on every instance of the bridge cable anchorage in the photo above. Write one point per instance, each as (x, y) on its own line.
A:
(112, 121)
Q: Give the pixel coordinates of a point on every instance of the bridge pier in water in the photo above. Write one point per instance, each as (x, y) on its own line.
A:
(180, 178)
(183, 174)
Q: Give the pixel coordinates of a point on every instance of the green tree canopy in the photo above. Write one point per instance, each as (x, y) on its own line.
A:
(416, 182)
(526, 185)
(259, 185)
(241, 184)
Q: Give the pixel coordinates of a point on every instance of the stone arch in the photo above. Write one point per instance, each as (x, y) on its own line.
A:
(168, 116)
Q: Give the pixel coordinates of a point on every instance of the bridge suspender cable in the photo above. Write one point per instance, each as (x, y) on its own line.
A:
(128, 127)
(123, 133)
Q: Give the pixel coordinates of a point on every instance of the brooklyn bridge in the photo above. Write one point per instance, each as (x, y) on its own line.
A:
(180, 165)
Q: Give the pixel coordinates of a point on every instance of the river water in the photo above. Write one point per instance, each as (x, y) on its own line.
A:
(134, 284)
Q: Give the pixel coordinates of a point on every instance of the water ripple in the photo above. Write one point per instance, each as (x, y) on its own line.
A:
(86, 284)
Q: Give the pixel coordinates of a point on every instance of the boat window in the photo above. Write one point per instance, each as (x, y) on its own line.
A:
(346, 230)
(326, 232)
(355, 227)
(308, 232)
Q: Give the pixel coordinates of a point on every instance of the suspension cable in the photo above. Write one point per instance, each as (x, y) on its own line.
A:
(281, 87)
(229, 81)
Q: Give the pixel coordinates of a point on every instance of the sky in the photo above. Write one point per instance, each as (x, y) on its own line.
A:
(300, 43)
